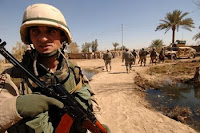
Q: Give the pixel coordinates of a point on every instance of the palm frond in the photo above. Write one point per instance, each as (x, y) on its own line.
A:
(174, 20)
(196, 37)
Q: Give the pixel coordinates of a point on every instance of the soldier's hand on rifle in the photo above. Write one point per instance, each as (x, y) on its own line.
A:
(31, 105)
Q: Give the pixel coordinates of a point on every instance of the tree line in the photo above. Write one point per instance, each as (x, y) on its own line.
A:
(172, 21)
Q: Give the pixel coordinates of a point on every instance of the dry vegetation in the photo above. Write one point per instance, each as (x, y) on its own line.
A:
(180, 71)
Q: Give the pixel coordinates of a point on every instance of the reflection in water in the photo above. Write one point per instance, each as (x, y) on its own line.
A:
(89, 73)
(177, 94)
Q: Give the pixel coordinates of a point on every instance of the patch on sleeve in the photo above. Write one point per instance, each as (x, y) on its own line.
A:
(2, 79)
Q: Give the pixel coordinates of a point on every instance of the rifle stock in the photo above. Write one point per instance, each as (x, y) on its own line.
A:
(89, 125)
(65, 124)
(72, 108)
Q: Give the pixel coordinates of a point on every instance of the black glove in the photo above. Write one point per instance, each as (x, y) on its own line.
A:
(31, 105)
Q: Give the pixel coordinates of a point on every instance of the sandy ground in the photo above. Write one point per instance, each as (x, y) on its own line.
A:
(124, 108)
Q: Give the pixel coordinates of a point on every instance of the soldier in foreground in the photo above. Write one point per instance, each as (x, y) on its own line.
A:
(107, 57)
(24, 110)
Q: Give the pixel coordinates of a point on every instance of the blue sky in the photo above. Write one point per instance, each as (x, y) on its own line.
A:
(103, 19)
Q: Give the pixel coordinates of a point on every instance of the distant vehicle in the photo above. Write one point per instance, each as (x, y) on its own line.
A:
(180, 52)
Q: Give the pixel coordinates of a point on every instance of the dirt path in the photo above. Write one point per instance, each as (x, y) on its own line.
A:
(123, 107)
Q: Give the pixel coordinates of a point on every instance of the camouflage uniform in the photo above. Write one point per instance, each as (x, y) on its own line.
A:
(127, 56)
(142, 56)
(39, 20)
(107, 57)
(162, 55)
(153, 56)
(134, 56)
(14, 83)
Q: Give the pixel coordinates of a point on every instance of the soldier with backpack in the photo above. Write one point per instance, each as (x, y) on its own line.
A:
(153, 56)
(107, 57)
(134, 56)
(127, 56)
(142, 56)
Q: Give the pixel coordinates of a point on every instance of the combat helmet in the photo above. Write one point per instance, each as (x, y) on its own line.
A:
(43, 14)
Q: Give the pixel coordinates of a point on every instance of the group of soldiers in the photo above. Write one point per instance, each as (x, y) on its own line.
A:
(130, 58)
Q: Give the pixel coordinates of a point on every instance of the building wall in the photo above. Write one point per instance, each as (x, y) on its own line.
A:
(92, 55)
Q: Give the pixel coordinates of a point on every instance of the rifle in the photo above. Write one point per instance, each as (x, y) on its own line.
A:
(72, 110)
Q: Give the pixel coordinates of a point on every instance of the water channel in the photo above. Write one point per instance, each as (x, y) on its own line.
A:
(89, 73)
(182, 95)
(171, 95)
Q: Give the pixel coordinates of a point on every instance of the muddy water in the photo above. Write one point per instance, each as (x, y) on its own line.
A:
(171, 95)
(89, 73)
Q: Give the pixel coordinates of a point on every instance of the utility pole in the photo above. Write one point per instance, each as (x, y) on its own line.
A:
(182, 36)
(122, 38)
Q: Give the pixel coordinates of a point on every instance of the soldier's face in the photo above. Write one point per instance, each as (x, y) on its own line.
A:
(45, 39)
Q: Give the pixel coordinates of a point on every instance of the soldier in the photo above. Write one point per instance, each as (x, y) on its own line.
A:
(153, 56)
(134, 56)
(142, 56)
(107, 57)
(127, 56)
(21, 109)
(162, 56)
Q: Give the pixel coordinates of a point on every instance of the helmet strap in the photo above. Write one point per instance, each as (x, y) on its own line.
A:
(61, 53)
(63, 45)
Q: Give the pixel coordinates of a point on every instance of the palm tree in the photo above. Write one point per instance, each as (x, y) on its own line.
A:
(197, 36)
(174, 20)
(115, 45)
(157, 44)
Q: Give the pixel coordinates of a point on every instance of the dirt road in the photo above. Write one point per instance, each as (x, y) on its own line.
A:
(123, 107)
